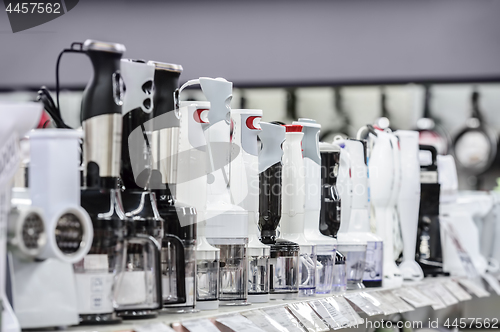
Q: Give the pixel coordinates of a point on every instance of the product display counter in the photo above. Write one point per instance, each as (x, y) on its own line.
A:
(431, 303)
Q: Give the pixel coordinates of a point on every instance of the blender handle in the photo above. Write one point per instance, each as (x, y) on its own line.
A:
(433, 152)
(149, 240)
(180, 272)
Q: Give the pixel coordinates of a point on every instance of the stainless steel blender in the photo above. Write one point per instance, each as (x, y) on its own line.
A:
(179, 241)
(99, 274)
(284, 260)
(138, 293)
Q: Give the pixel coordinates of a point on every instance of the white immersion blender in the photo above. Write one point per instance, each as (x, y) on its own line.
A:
(227, 223)
(384, 169)
(352, 246)
(292, 214)
(325, 245)
(192, 166)
(409, 202)
(359, 224)
(244, 185)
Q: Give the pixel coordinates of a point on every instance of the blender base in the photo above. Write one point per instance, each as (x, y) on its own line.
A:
(137, 314)
(372, 283)
(207, 305)
(258, 298)
(89, 319)
(284, 296)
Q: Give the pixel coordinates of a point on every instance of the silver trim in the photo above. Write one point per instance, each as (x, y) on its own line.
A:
(102, 143)
(167, 66)
(96, 45)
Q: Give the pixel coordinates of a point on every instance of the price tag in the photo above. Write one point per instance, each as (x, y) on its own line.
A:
(413, 297)
(200, 325)
(95, 262)
(239, 323)
(284, 318)
(306, 315)
(457, 291)
(395, 300)
(381, 302)
(493, 282)
(264, 321)
(153, 327)
(429, 290)
(340, 304)
(444, 294)
(474, 287)
(330, 315)
(362, 303)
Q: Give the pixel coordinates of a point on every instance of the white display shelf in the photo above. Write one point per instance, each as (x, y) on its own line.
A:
(471, 289)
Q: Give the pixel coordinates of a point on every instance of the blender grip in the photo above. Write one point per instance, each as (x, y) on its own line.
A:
(146, 240)
(433, 151)
(180, 272)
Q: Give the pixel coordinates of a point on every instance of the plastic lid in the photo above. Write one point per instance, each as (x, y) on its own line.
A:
(293, 128)
(166, 66)
(282, 246)
(96, 45)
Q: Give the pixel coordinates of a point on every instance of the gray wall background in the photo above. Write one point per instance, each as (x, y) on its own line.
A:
(266, 42)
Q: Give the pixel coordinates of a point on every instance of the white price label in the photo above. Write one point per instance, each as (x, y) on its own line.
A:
(474, 287)
(284, 318)
(395, 300)
(362, 303)
(95, 262)
(239, 323)
(381, 302)
(493, 282)
(200, 325)
(457, 291)
(429, 290)
(413, 297)
(153, 327)
(308, 317)
(264, 321)
(330, 314)
(428, 177)
(346, 310)
(444, 294)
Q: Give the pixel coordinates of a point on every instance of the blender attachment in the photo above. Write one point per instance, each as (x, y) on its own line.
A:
(351, 245)
(339, 274)
(54, 189)
(244, 184)
(226, 223)
(292, 214)
(359, 224)
(408, 202)
(138, 293)
(284, 261)
(178, 244)
(429, 251)
(325, 245)
(192, 190)
(385, 176)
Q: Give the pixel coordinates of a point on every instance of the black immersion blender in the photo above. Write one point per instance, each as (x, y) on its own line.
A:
(138, 295)
(178, 273)
(99, 273)
(284, 260)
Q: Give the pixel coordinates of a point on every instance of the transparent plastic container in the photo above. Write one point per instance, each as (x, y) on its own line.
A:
(207, 278)
(355, 264)
(324, 269)
(284, 270)
(339, 274)
(258, 272)
(307, 270)
(233, 272)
